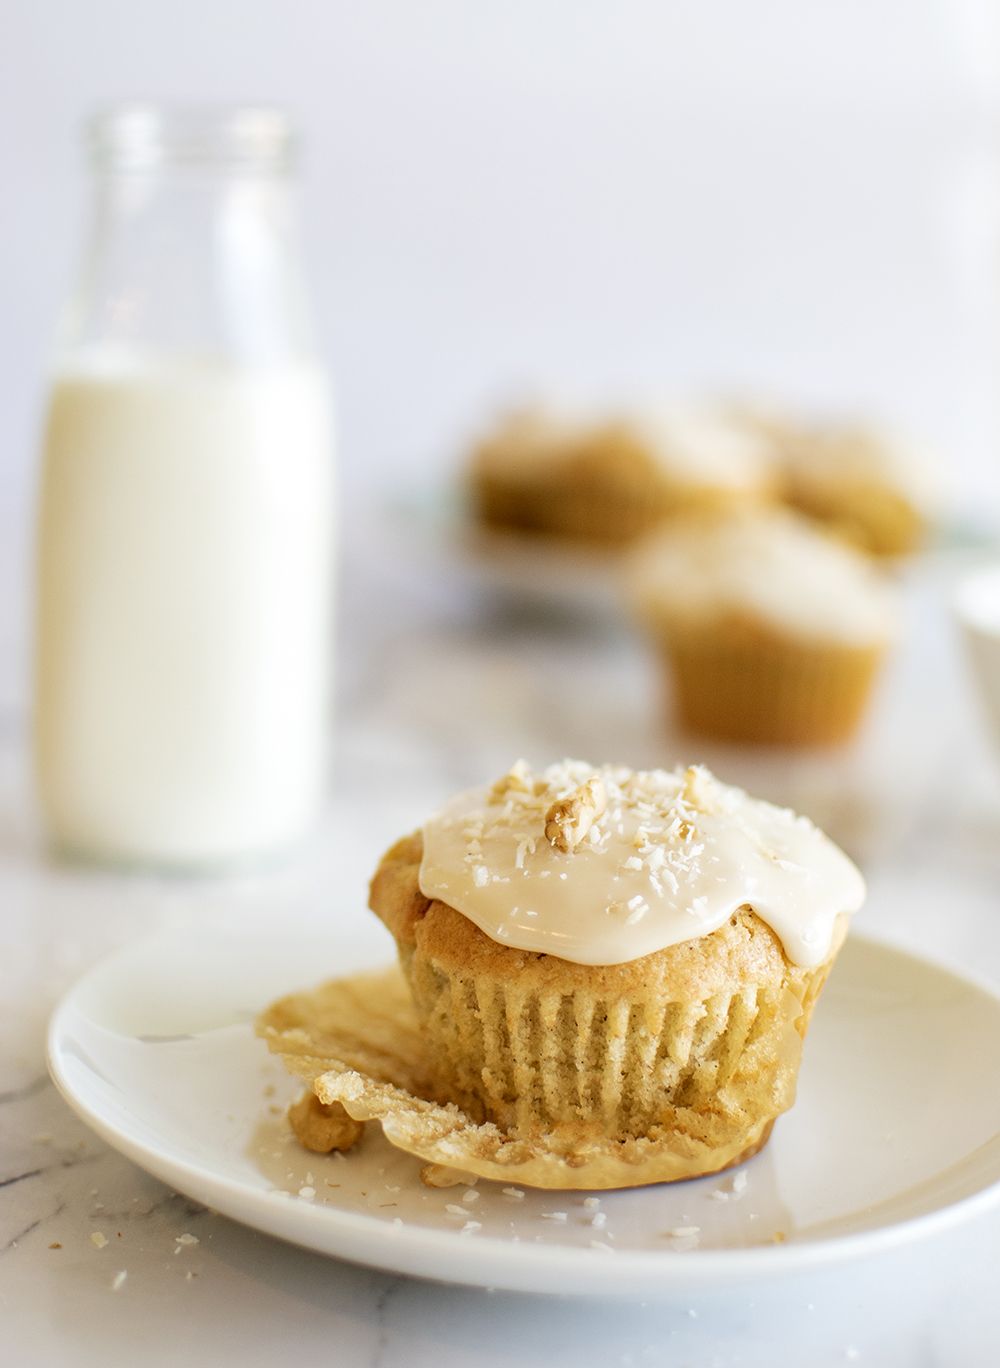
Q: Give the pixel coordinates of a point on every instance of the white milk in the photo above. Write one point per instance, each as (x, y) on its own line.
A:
(184, 605)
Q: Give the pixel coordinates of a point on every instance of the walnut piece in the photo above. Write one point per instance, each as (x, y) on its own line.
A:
(697, 790)
(321, 1126)
(517, 779)
(569, 819)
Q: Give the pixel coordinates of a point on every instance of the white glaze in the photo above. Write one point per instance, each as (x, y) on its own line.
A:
(671, 858)
(702, 446)
(770, 564)
(687, 444)
(530, 438)
(844, 457)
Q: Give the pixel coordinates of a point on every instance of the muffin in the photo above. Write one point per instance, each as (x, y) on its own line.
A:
(618, 961)
(863, 483)
(608, 482)
(770, 630)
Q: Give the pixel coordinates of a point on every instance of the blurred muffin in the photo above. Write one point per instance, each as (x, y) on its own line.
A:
(608, 482)
(864, 484)
(771, 630)
(616, 958)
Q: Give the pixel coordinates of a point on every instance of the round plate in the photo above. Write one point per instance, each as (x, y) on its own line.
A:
(155, 1050)
(557, 576)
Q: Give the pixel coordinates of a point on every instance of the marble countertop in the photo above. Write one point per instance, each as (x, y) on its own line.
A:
(439, 685)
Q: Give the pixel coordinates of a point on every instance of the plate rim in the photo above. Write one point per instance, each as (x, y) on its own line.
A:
(541, 1269)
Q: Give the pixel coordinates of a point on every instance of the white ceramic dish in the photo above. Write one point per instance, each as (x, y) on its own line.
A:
(977, 606)
(154, 1049)
(548, 575)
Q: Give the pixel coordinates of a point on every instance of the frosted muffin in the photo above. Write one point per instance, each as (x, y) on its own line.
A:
(616, 957)
(609, 482)
(863, 483)
(770, 630)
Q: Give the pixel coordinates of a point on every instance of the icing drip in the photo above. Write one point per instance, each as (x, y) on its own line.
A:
(601, 865)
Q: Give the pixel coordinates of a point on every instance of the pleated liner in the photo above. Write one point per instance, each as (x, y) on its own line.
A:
(532, 1062)
(747, 684)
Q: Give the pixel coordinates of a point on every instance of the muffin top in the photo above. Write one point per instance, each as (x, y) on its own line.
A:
(857, 457)
(603, 865)
(529, 439)
(686, 444)
(700, 445)
(770, 565)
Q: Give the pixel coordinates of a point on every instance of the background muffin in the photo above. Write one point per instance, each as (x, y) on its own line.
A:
(770, 630)
(860, 481)
(609, 481)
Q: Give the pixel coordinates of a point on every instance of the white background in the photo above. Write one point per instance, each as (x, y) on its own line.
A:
(612, 198)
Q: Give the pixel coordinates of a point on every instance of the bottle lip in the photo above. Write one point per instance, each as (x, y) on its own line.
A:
(137, 135)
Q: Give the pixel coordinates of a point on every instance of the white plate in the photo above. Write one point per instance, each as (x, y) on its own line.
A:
(553, 576)
(154, 1049)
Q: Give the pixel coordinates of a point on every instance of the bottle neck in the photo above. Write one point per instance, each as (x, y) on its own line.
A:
(192, 251)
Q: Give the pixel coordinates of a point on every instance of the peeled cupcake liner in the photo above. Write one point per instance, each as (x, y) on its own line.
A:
(592, 1115)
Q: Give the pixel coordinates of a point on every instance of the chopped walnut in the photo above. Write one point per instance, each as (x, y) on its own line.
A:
(697, 789)
(517, 779)
(569, 819)
(323, 1126)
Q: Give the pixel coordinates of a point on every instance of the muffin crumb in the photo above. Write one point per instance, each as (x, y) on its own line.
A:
(440, 1176)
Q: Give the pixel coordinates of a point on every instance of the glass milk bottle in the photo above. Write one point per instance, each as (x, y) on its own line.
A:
(185, 517)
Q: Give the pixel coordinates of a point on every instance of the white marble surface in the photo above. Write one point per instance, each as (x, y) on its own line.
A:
(439, 687)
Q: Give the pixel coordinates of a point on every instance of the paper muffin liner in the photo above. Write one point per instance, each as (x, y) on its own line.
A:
(632, 1094)
(586, 510)
(532, 1061)
(740, 682)
(598, 505)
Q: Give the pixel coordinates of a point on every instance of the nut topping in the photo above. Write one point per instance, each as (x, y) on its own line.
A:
(323, 1126)
(569, 819)
(517, 779)
(697, 789)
